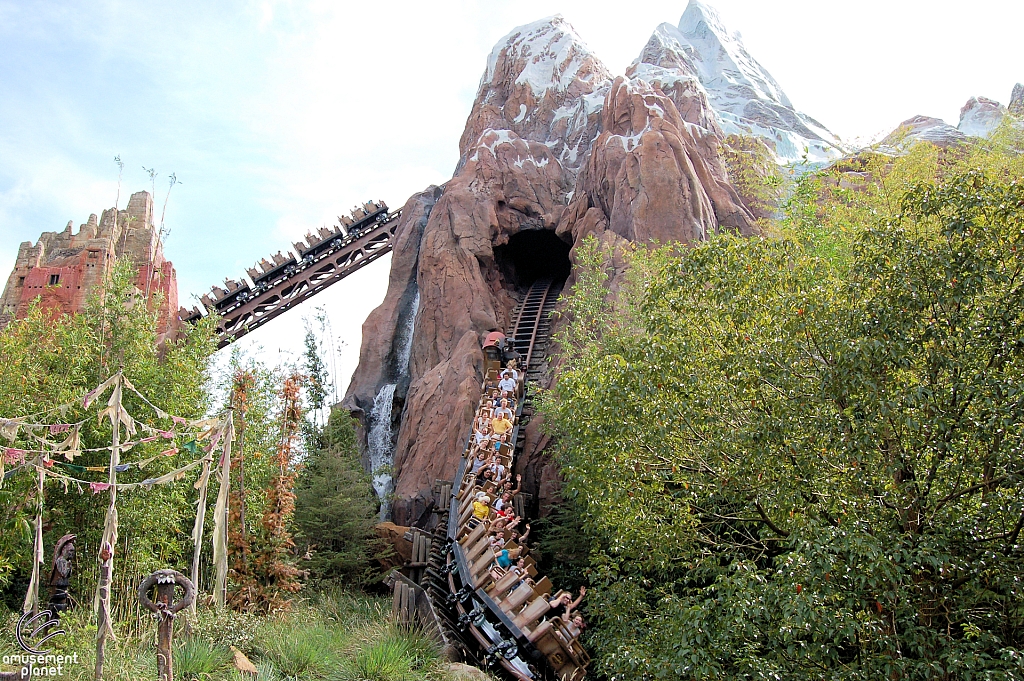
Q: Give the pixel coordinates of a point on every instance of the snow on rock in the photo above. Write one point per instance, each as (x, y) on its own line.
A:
(924, 129)
(980, 116)
(652, 176)
(543, 84)
(664, 64)
(1016, 105)
(743, 95)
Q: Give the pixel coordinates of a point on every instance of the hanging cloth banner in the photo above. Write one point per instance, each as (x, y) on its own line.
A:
(211, 432)
(9, 428)
(220, 515)
(113, 411)
(71, 447)
(202, 484)
(32, 596)
(100, 389)
(97, 487)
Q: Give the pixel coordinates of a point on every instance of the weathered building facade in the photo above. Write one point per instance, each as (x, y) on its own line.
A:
(63, 268)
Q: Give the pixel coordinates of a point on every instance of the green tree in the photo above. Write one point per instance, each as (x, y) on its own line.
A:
(52, 359)
(755, 174)
(793, 466)
(317, 385)
(336, 509)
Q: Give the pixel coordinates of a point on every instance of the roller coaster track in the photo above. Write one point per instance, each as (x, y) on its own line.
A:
(477, 615)
(288, 280)
(492, 625)
(532, 324)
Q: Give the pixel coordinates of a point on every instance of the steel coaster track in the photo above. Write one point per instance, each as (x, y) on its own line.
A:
(291, 279)
(524, 330)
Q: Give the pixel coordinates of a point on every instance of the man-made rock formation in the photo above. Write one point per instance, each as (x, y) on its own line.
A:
(536, 112)
(556, 149)
(653, 177)
(553, 150)
(1016, 104)
(63, 268)
(925, 129)
(541, 84)
(980, 116)
(665, 64)
(744, 96)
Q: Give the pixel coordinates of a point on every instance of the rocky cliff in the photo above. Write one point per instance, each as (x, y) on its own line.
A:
(744, 97)
(979, 117)
(555, 149)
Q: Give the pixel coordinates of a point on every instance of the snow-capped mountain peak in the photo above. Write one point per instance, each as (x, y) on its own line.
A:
(743, 96)
(549, 53)
(543, 84)
(723, 63)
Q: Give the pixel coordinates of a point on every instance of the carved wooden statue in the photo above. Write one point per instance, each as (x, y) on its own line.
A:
(60, 575)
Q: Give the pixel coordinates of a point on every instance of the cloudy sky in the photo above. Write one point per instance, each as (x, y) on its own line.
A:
(278, 116)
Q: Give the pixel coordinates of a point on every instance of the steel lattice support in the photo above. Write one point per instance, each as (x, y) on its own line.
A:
(301, 280)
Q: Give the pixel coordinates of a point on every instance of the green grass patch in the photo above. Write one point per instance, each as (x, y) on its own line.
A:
(196, 659)
(335, 635)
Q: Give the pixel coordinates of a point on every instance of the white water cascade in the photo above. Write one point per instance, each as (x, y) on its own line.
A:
(410, 325)
(380, 441)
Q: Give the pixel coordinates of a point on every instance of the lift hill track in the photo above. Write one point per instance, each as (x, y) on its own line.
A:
(279, 284)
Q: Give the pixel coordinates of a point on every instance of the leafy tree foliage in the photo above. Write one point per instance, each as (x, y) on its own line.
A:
(317, 384)
(755, 174)
(336, 509)
(51, 359)
(794, 465)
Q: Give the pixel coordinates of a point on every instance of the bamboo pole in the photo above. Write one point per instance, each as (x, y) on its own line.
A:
(104, 628)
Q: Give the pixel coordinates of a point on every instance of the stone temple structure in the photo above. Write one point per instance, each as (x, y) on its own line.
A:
(63, 268)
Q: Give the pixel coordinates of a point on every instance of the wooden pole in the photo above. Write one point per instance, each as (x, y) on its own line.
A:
(165, 632)
(106, 566)
(104, 626)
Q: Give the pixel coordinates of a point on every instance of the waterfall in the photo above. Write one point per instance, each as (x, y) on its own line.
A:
(380, 441)
(405, 350)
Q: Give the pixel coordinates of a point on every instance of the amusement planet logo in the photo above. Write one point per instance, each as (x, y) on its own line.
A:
(32, 632)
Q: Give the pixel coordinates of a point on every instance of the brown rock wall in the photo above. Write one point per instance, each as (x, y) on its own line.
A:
(654, 177)
(551, 144)
(377, 352)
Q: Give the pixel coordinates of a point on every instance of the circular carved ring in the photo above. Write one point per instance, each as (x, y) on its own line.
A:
(167, 577)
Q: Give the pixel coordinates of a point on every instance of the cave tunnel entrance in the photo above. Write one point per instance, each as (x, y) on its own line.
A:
(531, 255)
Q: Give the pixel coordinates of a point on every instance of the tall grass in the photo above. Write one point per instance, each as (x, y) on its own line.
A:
(297, 653)
(332, 636)
(392, 657)
(196, 659)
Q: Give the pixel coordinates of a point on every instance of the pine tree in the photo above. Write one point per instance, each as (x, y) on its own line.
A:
(335, 507)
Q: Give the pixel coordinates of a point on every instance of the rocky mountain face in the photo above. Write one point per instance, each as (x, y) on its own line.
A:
(979, 117)
(1017, 99)
(554, 149)
(557, 148)
(743, 95)
(923, 129)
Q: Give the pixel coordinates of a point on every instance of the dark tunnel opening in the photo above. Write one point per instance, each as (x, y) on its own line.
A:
(531, 255)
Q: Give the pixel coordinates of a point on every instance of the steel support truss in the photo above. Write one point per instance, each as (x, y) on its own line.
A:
(304, 279)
